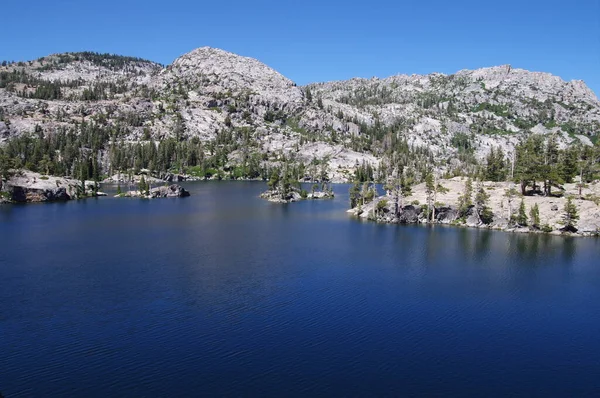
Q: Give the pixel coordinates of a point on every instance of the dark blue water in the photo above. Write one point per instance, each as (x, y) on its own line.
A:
(223, 294)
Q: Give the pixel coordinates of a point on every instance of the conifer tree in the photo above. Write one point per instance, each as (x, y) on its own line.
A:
(355, 196)
(6, 168)
(571, 214)
(465, 201)
(274, 180)
(522, 215)
(495, 169)
(529, 162)
(534, 214)
(429, 191)
(551, 172)
(481, 205)
(142, 185)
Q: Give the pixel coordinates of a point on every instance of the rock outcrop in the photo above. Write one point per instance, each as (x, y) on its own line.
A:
(29, 187)
(295, 195)
(170, 191)
(328, 194)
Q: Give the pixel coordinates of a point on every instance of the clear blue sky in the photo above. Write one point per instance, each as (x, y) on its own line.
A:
(311, 41)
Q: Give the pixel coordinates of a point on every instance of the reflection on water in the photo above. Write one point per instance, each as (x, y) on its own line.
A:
(227, 294)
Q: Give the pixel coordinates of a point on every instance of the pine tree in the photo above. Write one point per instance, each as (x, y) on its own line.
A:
(6, 168)
(570, 162)
(142, 187)
(510, 194)
(274, 180)
(534, 214)
(495, 165)
(465, 200)
(481, 205)
(552, 169)
(45, 164)
(529, 162)
(571, 215)
(522, 215)
(355, 196)
(429, 190)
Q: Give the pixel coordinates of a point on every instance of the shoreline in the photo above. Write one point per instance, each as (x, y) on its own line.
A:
(519, 231)
(504, 206)
(44, 189)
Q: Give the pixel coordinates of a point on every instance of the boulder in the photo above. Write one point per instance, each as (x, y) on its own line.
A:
(409, 214)
(446, 214)
(320, 195)
(171, 191)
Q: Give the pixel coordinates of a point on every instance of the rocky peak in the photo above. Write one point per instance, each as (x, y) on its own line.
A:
(220, 70)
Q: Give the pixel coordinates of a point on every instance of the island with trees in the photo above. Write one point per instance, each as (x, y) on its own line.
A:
(284, 188)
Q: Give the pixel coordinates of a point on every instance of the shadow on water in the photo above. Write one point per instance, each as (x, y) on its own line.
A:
(544, 249)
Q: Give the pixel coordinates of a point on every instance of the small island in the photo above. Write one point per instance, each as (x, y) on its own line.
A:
(284, 189)
(145, 191)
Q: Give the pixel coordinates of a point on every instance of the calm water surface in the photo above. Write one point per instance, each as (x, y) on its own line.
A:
(223, 294)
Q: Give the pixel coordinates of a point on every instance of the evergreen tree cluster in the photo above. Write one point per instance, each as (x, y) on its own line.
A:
(91, 149)
(539, 160)
(110, 61)
(496, 165)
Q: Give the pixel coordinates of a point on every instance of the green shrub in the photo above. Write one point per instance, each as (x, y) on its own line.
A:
(208, 173)
(195, 171)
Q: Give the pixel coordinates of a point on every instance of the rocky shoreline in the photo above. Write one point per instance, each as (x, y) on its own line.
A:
(30, 187)
(277, 196)
(170, 191)
(503, 208)
(503, 203)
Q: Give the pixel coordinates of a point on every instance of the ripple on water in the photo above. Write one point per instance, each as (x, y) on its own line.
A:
(218, 294)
